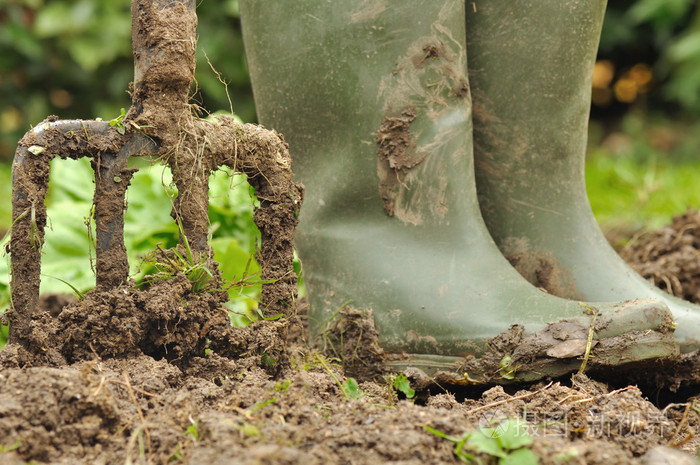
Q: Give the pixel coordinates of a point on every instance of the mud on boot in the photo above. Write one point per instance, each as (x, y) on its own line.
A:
(374, 102)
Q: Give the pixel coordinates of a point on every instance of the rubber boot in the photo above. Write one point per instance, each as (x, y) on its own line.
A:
(374, 102)
(530, 68)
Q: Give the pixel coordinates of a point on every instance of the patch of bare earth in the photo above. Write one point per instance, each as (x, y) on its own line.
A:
(669, 257)
(173, 383)
(191, 406)
(217, 410)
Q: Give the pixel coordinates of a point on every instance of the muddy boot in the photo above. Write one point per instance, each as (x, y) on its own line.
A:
(375, 105)
(530, 69)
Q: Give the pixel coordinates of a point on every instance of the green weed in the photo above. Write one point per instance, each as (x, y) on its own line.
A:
(349, 388)
(76, 292)
(507, 442)
(66, 250)
(118, 122)
(399, 383)
(282, 386)
(192, 431)
(325, 410)
(170, 263)
(267, 360)
(11, 447)
(506, 368)
(177, 455)
(260, 405)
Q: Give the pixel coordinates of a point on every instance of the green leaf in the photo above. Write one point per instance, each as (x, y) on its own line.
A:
(440, 434)
(77, 293)
(267, 360)
(520, 457)
(11, 447)
(402, 384)
(262, 316)
(513, 434)
(192, 432)
(485, 440)
(236, 264)
(505, 369)
(352, 389)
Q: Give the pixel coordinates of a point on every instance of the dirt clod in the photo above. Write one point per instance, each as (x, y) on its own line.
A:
(669, 257)
(396, 150)
(352, 338)
(223, 411)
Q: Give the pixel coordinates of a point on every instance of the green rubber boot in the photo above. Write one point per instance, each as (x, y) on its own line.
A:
(374, 102)
(530, 68)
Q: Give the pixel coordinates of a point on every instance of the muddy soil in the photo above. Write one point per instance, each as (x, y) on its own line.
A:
(669, 257)
(183, 400)
(220, 410)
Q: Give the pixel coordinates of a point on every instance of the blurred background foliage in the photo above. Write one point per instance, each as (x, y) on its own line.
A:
(73, 58)
(644, 137)
(650, 51)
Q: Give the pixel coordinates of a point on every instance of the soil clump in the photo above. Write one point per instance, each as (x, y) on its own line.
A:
(101, 392)
(221, 410)
(669, 257)
(156, 393)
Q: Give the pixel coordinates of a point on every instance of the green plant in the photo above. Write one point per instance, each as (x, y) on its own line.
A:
(507, 441)
(401, 384)
(11, 447)
(169, 263)
(506, 368)
(118, 122)
(79, 295)
(177, 455)
(282, 386)
(260, 405)
(192, 431)
(351, 389)
(193, 434)
(267, 360)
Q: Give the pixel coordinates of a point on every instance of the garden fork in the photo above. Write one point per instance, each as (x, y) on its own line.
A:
(160, 123)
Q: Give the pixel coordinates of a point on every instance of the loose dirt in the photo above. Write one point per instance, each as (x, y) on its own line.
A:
(166, 400)
(220, 410)
(128, 376)
(669, 257)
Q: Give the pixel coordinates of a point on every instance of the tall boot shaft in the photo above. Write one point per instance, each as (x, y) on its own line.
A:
(348, 71)
(373, 99)
(530, 67)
